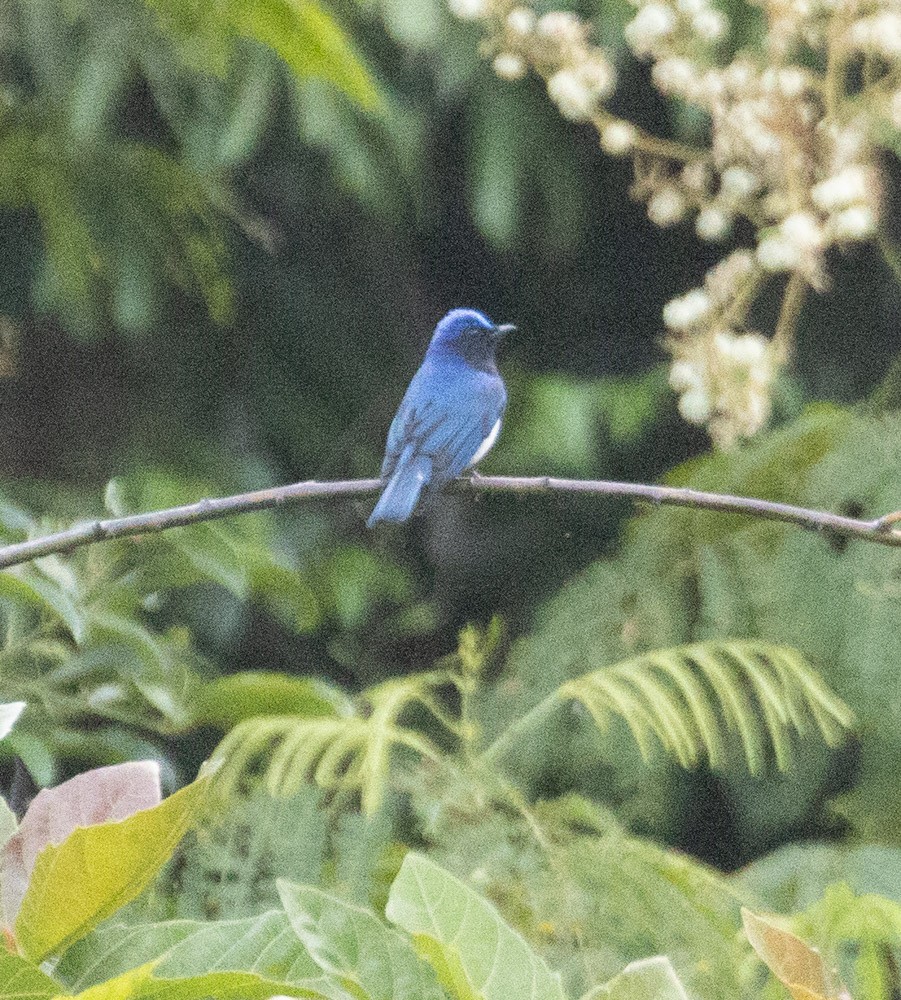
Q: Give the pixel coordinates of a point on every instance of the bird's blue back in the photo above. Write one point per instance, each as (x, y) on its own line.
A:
(450, 408)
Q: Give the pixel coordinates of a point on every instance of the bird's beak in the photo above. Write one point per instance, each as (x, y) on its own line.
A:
(504, 329)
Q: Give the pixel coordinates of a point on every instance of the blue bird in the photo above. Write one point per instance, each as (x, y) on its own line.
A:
(449, 417)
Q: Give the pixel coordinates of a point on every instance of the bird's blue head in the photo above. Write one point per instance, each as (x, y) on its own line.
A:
(470, 335)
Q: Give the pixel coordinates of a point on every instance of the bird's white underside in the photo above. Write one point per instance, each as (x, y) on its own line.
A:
(486, 445)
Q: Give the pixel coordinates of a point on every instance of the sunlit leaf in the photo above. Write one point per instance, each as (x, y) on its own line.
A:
(20, 980)
(647, 979)
(688, 697)
(353, 945)
(251, 693)
(183, 948)
(99, 796)
(73, 886)
(798, 966)
(129, 986)
(475, 953)
(346, 754)
(308, 39)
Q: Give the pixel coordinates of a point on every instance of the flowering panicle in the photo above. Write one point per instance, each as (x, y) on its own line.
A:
(797, 127)
(723, 375)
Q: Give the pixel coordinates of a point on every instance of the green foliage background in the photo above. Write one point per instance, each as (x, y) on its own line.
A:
(225, 232)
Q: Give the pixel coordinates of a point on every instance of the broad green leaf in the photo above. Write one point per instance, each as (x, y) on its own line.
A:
(300, 32)
(96, 870)
(605, 897)
(795, 876)
(129, 986)
(210, 550)
(240, 959)
(35, 752)
(799, 967)
(33, 588)
(264, 945)
(251, 693)
(115, 948)
(98, 796)
(647, 979)
(233, 986)
(141, 984)
(20, 980)
(476, 955)
(8, 715)
(353, 945)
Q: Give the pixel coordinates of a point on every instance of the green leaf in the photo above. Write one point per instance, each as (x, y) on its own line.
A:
(98, 796)
(308, 39)
(240, 959)
(129, 986)
(647, 979)
(80, 882)
(251, 693)
(115, 948)
(688, 696)
(603, 897)
(262, 945)
(841, 916)
(348, 754)
(20, 980)
(496, 179)
(353, 945)
(31, 587)
(476, 955)
(35, 753)
(795, 876)
(209, 549)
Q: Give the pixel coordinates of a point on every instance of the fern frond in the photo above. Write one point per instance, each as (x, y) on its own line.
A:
(688, 698)
(349, 754)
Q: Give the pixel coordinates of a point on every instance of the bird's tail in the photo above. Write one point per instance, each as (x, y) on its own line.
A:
(401, 495)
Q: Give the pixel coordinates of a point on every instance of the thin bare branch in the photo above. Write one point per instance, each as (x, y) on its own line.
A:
(880, 530)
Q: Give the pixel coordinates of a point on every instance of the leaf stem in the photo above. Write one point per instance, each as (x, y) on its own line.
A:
(792, 301)
(521, 725)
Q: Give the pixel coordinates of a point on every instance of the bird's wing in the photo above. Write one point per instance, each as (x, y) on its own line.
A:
(447, 419)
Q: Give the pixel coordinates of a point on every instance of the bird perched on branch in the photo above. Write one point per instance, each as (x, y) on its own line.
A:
(449, 417)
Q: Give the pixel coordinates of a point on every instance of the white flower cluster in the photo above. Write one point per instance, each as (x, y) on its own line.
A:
(579, 75)
(723, 376)
(878, 34)
(725, 384)
(807, 184)
(658, 25)
(797, 128)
